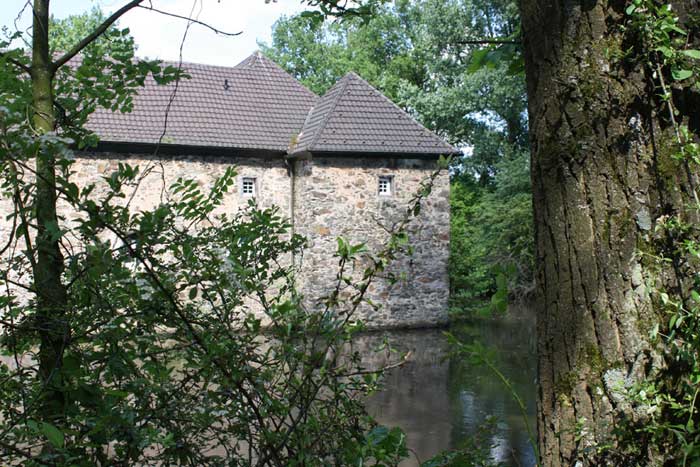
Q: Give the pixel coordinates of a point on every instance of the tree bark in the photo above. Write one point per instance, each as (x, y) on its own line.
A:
(51, 292)
(602, 180)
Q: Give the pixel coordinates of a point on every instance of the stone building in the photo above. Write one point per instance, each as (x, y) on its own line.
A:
(339, 165)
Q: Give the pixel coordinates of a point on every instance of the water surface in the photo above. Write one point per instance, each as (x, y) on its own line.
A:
(440, 403)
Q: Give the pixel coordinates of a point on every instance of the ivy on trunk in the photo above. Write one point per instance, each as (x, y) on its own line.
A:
(605, 182)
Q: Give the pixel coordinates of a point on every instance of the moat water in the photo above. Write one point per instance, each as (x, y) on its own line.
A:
(441, 402)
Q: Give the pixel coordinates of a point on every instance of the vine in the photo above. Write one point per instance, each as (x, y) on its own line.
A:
(668, 401)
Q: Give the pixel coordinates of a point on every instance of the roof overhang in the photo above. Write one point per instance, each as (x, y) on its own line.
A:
(122, 147)
(305, 155)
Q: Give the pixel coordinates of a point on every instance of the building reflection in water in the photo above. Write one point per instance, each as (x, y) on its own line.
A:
(439, 402)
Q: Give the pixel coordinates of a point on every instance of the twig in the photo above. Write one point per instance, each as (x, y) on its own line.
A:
(520, 403)
(21, 452)
(201, 23)
(398, 364)
(489, 41)
(168, 107)
(16, 63)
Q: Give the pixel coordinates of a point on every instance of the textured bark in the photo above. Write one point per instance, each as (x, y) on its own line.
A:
(602, 179)
(51, 292)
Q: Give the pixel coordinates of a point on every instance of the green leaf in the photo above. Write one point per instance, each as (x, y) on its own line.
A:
(193, 293)
(692, 53)
(680, 75)
(478, 60)
(677, 29)
(377, 435)
(695, 295)
(53, 434)
(20, 230)
(667, 51)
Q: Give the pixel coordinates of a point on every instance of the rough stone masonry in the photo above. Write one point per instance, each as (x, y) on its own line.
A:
(343, 164)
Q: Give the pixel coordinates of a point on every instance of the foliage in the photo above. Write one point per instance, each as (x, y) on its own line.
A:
(64, 34)
(379, 49)
(475, 451)
(154, 354)
(492, 234)
(667, 403)
(421, 55)
(165, 361)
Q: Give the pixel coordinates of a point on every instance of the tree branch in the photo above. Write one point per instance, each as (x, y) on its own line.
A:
(192, 20)
(25, 454)
(391, 366)
(16, 63)
(489, 41)
(94, 34)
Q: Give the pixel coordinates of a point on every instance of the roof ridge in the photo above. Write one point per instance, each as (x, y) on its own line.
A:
(259, 106)
(342, 84)
(268, 64)
(258, 58)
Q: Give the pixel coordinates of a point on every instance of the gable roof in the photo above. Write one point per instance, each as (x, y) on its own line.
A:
(355, 117)
(254, 105)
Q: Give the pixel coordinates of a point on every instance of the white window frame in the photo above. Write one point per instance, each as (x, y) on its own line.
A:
(388, 180)
(249, 181)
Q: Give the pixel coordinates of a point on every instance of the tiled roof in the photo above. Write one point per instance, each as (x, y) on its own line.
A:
(254, 105)
(257, 105)
(355, 117)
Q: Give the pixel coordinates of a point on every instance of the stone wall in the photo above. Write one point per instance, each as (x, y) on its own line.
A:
(272, 179)
(332, 197)
(339, 197)
(273, 185)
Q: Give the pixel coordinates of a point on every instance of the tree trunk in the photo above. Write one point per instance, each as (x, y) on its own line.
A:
(51, 292)
(602, 180)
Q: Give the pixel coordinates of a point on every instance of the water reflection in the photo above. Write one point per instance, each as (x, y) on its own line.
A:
(439, 403)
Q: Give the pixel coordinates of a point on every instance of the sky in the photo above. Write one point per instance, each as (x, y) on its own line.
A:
(159, 36)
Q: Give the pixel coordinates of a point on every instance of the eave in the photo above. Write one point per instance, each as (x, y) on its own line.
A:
(167, 149)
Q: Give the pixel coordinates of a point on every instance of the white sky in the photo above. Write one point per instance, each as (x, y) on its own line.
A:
(159, 36)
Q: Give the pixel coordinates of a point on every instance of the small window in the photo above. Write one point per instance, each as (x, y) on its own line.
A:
(248, 186)
(385, 182)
